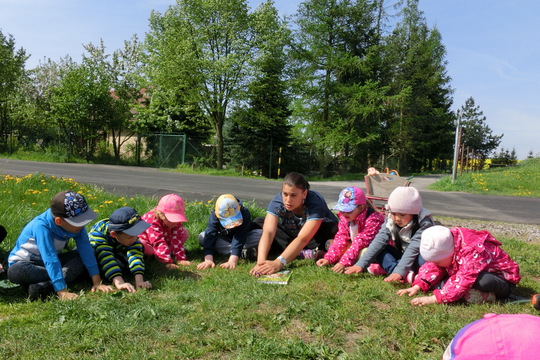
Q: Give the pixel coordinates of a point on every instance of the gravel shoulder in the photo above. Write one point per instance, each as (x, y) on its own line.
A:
(525, 232)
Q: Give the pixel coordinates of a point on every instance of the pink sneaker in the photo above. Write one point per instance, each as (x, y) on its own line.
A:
(411, 276)
(376, 269)
(306, 254)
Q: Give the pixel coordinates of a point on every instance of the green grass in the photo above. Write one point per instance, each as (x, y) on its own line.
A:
(521, 180)
(220, 314)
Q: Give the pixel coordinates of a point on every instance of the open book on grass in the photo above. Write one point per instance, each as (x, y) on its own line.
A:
(280, 278)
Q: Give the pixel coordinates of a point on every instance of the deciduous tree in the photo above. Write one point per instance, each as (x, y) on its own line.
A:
(202, 50)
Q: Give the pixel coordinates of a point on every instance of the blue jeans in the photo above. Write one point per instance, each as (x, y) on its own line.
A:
(32, 272)
(389, 257)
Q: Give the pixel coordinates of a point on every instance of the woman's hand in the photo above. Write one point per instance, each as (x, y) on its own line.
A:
(266, 268)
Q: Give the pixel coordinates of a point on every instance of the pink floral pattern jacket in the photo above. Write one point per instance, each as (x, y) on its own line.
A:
(167, 242)
(474, 251)
(346, 250)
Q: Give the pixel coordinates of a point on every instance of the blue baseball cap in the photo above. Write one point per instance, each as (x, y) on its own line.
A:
(128, 221)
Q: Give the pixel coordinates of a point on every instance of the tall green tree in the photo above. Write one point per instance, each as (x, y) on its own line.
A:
(476, 134)
(33, 124)
(202, 48)
(420, 129)
(12, 63)
(339, 95)
(260, 127)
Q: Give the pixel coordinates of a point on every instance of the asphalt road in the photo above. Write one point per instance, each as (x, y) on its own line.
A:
(129, 181)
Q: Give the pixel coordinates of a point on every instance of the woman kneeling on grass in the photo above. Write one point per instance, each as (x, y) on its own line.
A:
(299, 221)
(471, 263)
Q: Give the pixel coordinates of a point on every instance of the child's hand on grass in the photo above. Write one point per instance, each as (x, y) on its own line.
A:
(228, 265)
(411, 291)
(424, 300)
(103, 288)
(171, 266)
(144, 285)
(322, 262)
(339, 268)
(393, 277)
(353, 270)
(206, 264)
(66, 295)
(184, 262)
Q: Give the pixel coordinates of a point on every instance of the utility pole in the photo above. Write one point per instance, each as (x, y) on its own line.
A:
(456, 146)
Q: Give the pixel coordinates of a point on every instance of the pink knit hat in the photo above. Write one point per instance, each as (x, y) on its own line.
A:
(405, 200)
(437, 243)
(502, 337)
(173, 207)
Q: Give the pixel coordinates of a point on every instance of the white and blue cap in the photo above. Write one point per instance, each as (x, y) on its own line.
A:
(228, 211)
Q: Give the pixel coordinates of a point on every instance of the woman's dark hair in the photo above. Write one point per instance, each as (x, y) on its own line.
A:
(296, 179)
(395, 232)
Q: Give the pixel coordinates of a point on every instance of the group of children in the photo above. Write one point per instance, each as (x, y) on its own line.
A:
(405, 245)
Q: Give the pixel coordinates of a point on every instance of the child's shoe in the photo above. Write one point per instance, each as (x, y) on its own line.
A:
(328, 243)
(306, 254)
(249, 254)
(475, 296)
(376, 269)
(319, 254)
(411, 276)
(40, 290)
(536, 301)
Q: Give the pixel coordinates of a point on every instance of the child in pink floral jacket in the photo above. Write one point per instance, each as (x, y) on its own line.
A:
(358, 225)
(166, 236)
(471, 261)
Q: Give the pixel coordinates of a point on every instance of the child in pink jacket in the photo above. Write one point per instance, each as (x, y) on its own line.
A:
(358, 225)
(166, 236)
(470, 262)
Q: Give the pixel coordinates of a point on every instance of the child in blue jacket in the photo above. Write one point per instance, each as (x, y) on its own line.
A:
(39, 259)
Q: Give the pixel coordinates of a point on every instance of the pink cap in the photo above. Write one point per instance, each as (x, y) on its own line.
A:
(173, 207)
(504, 337)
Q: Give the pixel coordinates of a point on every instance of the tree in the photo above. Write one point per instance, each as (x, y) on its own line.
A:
(338, 93)
(420, 130)
(11, 71)
(504, 157)
(201, 48)
(476, 134)
(261, 125)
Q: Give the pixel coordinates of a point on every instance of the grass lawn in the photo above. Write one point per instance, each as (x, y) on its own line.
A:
(220, 314)
(521, 180)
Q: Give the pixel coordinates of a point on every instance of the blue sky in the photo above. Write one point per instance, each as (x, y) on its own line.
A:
(492, 48)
